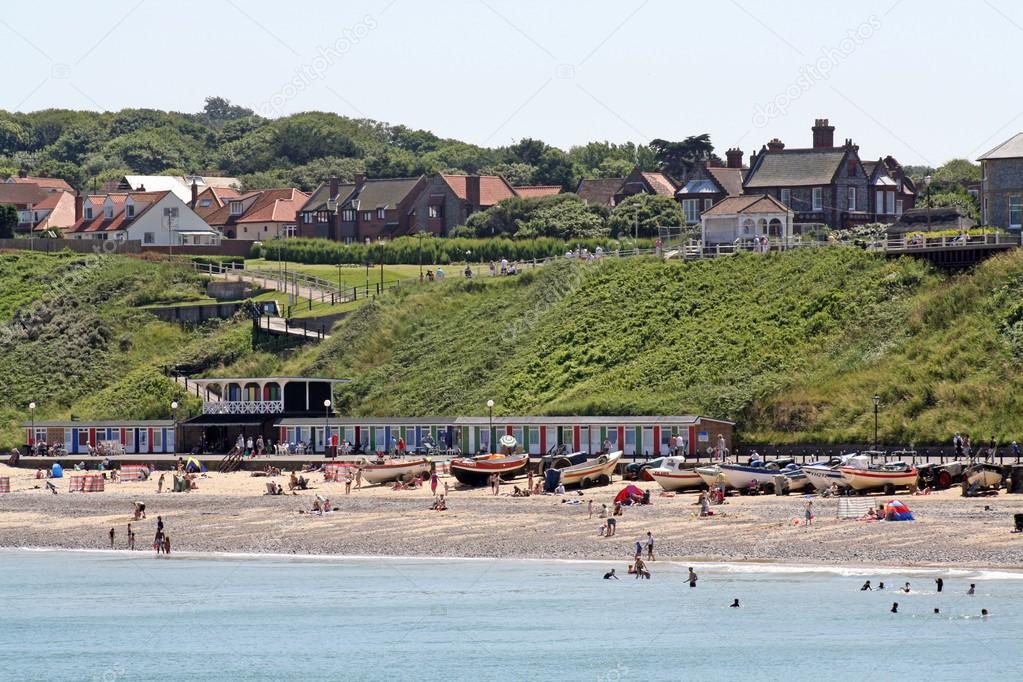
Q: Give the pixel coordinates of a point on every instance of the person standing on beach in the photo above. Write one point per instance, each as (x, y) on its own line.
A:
(358, 478)
(433, 483)
(692, 577)
(529, 480)
(589, 509)
(111, 538)
(639, 549)
(131, 538)
(348, 483)
(650, 546)
(808, 514)
(159, 484)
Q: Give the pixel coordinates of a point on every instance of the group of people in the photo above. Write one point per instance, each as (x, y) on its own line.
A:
(161, 541)
(939, 584)
(584, 254)
(964, 447)
(432, 276)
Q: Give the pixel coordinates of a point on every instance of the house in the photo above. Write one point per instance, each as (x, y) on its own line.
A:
(892, 192)
(448, 200)
(257, 215)
(38, 209)
(824, 183)
(361, 210)
(599, 191)
(537, 191)
(153, 218)
(645, 182)
(743, 218)
(211, 199)
(181, 185)
(1001, 177)
(48, 184)
(708, 183)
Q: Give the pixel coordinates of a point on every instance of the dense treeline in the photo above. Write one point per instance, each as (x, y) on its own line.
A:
(87, 148)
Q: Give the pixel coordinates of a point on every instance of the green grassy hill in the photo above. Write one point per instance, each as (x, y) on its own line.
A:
(791, 346)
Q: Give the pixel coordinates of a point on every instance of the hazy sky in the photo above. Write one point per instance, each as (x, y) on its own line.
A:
(922, 80)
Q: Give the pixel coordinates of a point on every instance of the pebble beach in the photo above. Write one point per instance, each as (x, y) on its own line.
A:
(229, 513)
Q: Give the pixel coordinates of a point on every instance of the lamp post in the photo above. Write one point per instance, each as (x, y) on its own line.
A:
(326, 426)
(174, 409)
(468, 263)
(32, 436)
(877, 402)
(420, 235)
(490, 410)
(927, 184)
(367, 278)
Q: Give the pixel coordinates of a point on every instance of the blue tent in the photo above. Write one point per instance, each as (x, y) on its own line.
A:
(57, 471)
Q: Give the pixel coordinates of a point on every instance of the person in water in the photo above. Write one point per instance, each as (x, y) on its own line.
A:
(906, 588)
(880, 586)
(973, 590)
(866, 587)
(692, 577)
(940, 583)
(641, 569)
(895, 607)
(983, 613)
(610, 575)
(735, 604)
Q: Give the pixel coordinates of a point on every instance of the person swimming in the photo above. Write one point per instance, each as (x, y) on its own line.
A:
(973, 589)
(906, 588)
(983, 613)
(610, 575)
(866, 587)
(735, 604)
(880, 586)
(940, 583)
(895, 607)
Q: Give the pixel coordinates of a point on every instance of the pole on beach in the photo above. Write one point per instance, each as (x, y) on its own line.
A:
(32, 436)
(326, 426)
(877, 402)
(490, 437)
(174, 408)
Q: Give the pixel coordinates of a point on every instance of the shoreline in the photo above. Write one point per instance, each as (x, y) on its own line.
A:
(778, 567)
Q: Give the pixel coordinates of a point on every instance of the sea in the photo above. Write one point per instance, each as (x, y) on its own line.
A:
(109, 616)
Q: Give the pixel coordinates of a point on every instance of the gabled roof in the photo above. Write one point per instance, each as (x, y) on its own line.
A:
(1010, 149)
(99, 222)
(217, 196)
(22, 195)
(730, 179)
(534, 191)
(795, 167)
(49, 184)
(660, 183)
(318, 199)
(493, 188)
(266, 206)
(179, 184)
(747, 204)
(382, 193)
(598, 191)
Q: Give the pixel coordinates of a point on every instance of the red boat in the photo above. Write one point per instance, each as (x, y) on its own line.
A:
(477, 470)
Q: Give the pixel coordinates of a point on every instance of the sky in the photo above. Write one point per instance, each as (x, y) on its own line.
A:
(922, 80)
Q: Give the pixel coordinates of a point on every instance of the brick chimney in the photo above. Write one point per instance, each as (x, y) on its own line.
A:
(849, 145)
(334, 187)
(776, 145)
(823, 134)
(79, 206)
(472, 192)
(713, 162)
(142, 188)
(360, 180)
(734, 157)
(195, 193)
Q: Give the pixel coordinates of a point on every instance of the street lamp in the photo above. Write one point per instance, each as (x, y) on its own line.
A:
(326, 425)
(877, 402)
(367, 277)
(490, 409)
(927, 184)
(32, 436)
(174, 409)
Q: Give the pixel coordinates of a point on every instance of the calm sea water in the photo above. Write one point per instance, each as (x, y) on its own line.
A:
(113, 616)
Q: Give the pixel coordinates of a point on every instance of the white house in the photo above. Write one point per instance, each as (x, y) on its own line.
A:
(153, 218)
(745, 217)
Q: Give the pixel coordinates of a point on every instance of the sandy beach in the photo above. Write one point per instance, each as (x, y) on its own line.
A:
(230, 513)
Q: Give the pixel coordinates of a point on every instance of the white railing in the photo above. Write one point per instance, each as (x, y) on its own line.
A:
(243, 407)
(920, 242)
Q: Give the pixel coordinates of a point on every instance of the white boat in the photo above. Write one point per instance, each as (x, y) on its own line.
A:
(860, 474)
(711, 475)
(797, 478)
(673, 474)
(397, 470)
(740, 476)
(985, 475)
(595, 471)
(823, 476)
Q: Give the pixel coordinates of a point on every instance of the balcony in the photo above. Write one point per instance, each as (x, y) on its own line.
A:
(243, 407)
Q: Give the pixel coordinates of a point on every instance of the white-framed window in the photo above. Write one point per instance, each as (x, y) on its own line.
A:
(433, 211)
(235, 208)
(534, 440)
(891, 202)
(321, 217)
(879, 202)
(898, 206)
(367, 216)
(707, 203)
(24, 216)
(129, 211)
(108, 211)
(630, 441)
(691, 209)
(307, 217)
(348, 215)
(852, 199)
(290, 231)
(786, 197)
(818, 199)
(88, 212)
(148, 238)
(205, 203)
(381, 213)
(1015, 212)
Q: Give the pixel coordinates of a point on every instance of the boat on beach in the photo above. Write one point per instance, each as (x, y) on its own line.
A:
(743, 476)
(985, 475)
(475, 471)
(673, 474)
(398, 470)
(862, 475)
(594, 471)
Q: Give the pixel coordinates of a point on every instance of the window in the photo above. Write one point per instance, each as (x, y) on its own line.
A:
(381, 213)
(852, 199)
(129, 211)
(307, 217)
(348, 215)
(236, 208)
(108, 211)
(1015, 212)
(434, 212)
(205, 203)
(898, 207)
(321, 217)
(83, 438)
(818, 199)
(88, 212)
(290, 231)
(707, 203)
(149, 238)
(691, 209)
(878, 201)
(891, 202)
(367, 216)
(786, 197)
(157, 439)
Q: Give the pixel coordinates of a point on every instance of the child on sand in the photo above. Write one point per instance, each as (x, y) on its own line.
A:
(111, 538)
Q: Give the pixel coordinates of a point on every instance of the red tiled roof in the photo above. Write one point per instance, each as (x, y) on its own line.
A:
(44, 183)
(660, 183)
(268, 205)
(533, 191)
(99, 223)
(493, 188)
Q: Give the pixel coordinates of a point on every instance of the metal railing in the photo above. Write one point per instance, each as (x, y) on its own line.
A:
(243, 407)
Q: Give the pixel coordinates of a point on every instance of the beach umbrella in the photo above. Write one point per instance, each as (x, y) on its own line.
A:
(508, 441)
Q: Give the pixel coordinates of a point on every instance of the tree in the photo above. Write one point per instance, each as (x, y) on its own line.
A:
(641, 214)
(516, 173)
(955, 173)
(955, 196)
(304, 137)
(13, 137)
(8, 221)
(219, 111)
(563, 216)
(678, 158)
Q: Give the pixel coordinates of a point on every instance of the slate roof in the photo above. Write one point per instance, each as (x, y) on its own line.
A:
(382, 193)
(795, 168)
(318, 199)
(1010, 149)
(599, 191)
(730, 179)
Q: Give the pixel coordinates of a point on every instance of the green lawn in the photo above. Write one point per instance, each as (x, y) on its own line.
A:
(351, 275)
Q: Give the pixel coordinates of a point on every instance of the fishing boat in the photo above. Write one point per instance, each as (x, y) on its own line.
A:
(796, 478)
(711, 475)
(673, 474)
(985, 475)
(742, 476)
(594, 471)
(861, 475)
(823, 474)
(397, 470)
(477, 471)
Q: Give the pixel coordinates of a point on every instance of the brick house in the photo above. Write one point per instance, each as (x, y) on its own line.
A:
(211, 199)
(1001, 194)
(646, 182)
(258, 215)
(709, 183)
(892, 192)
(361, 210)
(446, 201)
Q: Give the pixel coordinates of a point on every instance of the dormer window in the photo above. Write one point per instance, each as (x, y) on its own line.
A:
(205, 203)
(108, 212)
(88, 212)
(129, 211)
(236, 208)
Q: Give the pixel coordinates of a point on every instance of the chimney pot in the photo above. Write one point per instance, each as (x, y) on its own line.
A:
(776, 145)
(195, 193)
(734, 157)
(823, 134)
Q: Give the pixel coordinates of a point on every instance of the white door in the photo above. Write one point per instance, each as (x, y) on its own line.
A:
(129, 440)
(534, 440)
(648, 441)
(584, 437)
(595, 444)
